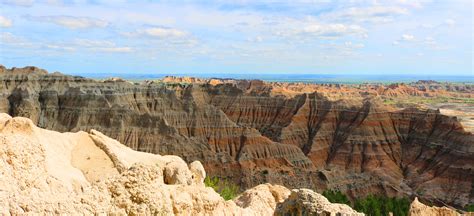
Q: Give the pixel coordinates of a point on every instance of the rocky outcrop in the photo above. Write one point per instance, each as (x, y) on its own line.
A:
(306, 202)
(419, 209)
(253, 132)
(47, 172)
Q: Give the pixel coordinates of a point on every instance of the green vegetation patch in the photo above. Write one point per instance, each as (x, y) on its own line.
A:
(228, 190)
(470, 208)
(372, 205)
(380, 205)
(336, 197)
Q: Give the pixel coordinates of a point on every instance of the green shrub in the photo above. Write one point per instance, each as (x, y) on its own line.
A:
(226, 189)
(372, 205)
(229, 191)
(470, 208)
(336, 197)
(211, 182)
(380, 205)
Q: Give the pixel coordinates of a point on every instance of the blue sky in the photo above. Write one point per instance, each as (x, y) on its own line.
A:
(416, 37)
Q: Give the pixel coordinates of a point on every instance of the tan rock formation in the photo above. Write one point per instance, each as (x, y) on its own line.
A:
(419, 209)
(47, 172)
(307, 202)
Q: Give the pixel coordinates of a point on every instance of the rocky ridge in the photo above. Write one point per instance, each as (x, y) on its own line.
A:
(422, 88)
(248, 132)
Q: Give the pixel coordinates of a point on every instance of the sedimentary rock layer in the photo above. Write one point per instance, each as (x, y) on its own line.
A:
(251, 133)
(46, 172)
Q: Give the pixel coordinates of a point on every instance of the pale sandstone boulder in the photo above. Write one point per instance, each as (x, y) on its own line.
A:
(419, 209)
(199, 174)
(307, 202)
(262, 199)
(177, 173)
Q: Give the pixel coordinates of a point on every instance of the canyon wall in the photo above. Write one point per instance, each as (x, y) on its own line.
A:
(49, 173)
(253, 132)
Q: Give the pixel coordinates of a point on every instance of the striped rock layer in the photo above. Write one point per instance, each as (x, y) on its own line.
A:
(243, 131)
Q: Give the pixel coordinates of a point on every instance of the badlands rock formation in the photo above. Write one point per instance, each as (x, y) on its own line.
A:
(47, 172)
(252, 132)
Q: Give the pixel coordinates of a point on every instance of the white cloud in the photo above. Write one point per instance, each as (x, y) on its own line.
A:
(114, 49)
(28, 3)
(256, 39)
(354, 45)
(404, 39)
(168, 37)
(375, 14)
(347, 48)
(71, 21)
(23, 3)
(99, 45)
(159, 32)
(411, 3)
(427, 42)
(332, 30)
(56, 2)
(310, 29)
(73, 46)
(430, 41)
(450, 22)
(5, 22)
(441, 26)
(9, 39)
(93, 43)
(407, 37)
(427, 26)
(58, 47)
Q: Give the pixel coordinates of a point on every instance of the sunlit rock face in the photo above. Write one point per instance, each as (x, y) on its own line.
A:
(252, 132)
